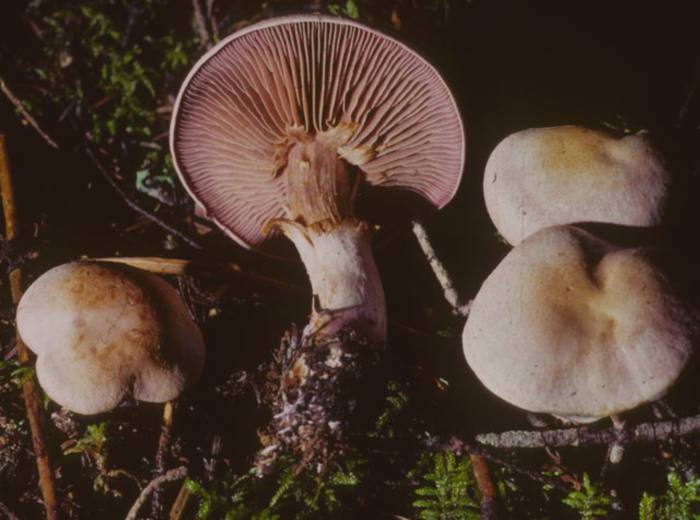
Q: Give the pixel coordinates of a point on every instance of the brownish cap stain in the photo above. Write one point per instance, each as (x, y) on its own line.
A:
(544, 177)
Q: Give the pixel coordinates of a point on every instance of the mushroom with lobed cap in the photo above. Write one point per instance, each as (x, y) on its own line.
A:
(102, 331)
(276, 127)
(561, 175)
(588, 329)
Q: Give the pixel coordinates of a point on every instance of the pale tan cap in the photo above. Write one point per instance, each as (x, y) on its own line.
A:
(102, 331)
(544, 177)
(570, 325)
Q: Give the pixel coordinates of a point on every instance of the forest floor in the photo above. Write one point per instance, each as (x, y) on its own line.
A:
(87, 94)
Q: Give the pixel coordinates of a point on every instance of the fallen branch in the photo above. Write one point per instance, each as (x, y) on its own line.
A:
(645, 432)
(439, 270)
(25, 113)
(170, 476)
(32, 395)
(190, 241)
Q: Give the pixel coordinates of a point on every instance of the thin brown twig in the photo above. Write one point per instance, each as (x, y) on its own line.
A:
(459, 446)
(181, 501)
(25, 113)
(32, 395)
(645, 432)
(170, 476)
(489, 494)
(179, 267)
(190, 241)
(166, 431)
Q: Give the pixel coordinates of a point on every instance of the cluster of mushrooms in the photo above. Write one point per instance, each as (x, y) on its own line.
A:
(275, 131)
(586, 328)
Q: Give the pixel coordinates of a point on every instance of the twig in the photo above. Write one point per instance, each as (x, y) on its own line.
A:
(134, 12)
(32, 395)
(25, 113)
(489, 494)
(489, 504)
(689, 96)
(166, 431)
(214, 24)
(190, 241)
(439, 269)
(200, 24)
(645, 432)
(170, 476)
(178, 266)
(616, 449)
(181, 501)
(184, 495)
(210, 463)
(7, 512)
(459, 446)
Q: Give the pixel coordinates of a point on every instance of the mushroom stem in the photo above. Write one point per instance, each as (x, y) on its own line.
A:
(322, 368)
(345, 283)
(335, 246)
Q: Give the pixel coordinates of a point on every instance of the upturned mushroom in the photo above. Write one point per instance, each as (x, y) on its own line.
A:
(569, 174)
(270, 124)
(276, 127)
(570, 325)
(103, 331)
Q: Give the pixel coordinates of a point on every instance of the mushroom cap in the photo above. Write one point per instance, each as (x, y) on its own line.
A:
(101, 331)
(570, 325)
(567, 174)
(288, 79)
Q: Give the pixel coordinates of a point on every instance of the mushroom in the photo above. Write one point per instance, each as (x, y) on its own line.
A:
(102, 331)
(570, 325)
(275, 127)
(567, 174)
